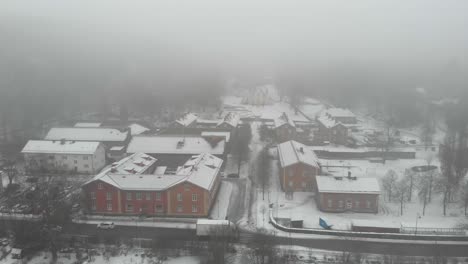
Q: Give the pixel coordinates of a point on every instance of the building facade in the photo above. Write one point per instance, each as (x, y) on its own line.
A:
(190, 192)
(64, 156)
(298, 167)
(342, 194)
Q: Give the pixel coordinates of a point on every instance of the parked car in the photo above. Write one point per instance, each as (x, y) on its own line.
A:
(106, 225)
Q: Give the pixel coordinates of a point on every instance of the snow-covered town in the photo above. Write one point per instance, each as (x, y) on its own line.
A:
(222, 133)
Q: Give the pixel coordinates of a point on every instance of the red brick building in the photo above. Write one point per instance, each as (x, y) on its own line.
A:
(298, 166)
(131, 187)
(285, 128)
(341, 194)
(331, 131)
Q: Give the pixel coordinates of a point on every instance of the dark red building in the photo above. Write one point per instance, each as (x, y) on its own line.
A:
(130, 187)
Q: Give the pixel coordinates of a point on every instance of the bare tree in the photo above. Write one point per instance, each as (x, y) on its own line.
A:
(401, 193)
(424, 184)
(444, 187)
(389, 182)
(220, 244)
(9, 167)
(263, 171)
(262, 248)
(464, 196)
(409, 177)
(241, 144)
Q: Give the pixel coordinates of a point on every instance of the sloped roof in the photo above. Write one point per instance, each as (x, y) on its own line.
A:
(340, 112)
(200, 170)
(86, 134)
(284, 119)
(330, 184)
(136, 129)
(60, 147)
(292, 152)
(187, 119)
(174, 145)
(226, 135)
(327, 121)
(231, 119)
(87, 124)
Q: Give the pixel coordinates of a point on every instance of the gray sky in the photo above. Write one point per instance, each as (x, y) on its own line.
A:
(260, 35)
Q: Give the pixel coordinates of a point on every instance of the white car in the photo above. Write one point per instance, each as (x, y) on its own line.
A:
(106, 225)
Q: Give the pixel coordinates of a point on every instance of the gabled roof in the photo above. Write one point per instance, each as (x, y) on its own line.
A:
(200, 170)
(340, 112)
(284, 119)
(226, 135)
(60, 147)
(330, 184)
(187, 119)
(174, 145)
(136, 129)
(87, 124)
(231, 119)
(86, 134)
(292, 152)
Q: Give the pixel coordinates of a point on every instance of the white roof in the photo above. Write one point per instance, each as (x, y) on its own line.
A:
(174, 145)
(117, 148)
(200, 170)
(87, 124)
(283, 120)
(202, 221)
(86, 134)
(136, 129)
(327, 121)
(231, 119)
(340, 112)
(226, 135)
(187, 119)
(60, 147)
(292, 152)
(330, 184)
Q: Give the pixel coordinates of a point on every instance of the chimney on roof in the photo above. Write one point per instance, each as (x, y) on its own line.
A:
(62, 141)
(349, 175)
(301, 149)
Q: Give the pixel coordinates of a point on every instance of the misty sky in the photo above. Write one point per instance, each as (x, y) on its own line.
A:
(249, 35)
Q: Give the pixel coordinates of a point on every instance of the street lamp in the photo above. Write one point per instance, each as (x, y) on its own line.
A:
(418, 216)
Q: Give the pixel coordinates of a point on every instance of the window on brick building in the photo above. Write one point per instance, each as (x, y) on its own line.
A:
(148, 196)
(194, 197)
(93, 195)
(129, 207)
(99, 186)
(109, 206)
(129, 196)
(93, 205)
(179, 208)
(179, 197)
(159, 208)
(368, 204)
(187, 187)
(330, 203)
(340, 204)
(194, 208)
(108, 196)
(138, 196)
(291, 172)
(356, 204)
(158, 196)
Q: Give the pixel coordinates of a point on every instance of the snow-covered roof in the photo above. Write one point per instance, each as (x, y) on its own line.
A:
(137, 163)
(117, 148)
(187, 119)
(340, 112)
(292, 152)
(174, 145)
(330, 184)
(60, 147)
(231, 119)
(86, 134)
(200, 170)
(213, 122)
(136, 129)
(327, 121)
(87, 124)
(284, 119)
(226, 135)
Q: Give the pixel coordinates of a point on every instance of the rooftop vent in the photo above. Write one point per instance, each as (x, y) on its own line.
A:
(301, 149)
(180, 144)
(62, 141)
(339, 178)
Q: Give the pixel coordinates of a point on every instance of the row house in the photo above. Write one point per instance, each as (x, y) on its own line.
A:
(298, 166)
(132, 187)
(285, 128)
(341, 194)
(344, 116)
(64, 156)
(331, 131)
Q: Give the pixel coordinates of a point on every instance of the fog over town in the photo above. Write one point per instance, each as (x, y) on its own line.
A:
(127, 124)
